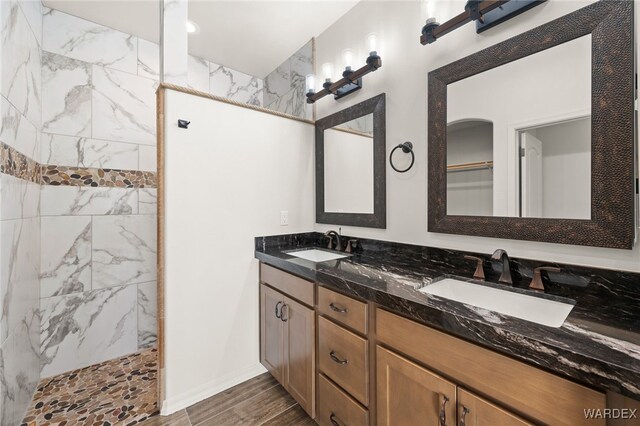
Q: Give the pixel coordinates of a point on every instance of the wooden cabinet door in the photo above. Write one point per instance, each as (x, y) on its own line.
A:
(475, 411)
(411, 395)
(299, 353)
(271, 332)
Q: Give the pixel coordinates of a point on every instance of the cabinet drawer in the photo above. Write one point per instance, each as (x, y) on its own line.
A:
(288, 284)
(336, 406)
(343, 357)
(343, 309)
(476, 411)
(528, 390)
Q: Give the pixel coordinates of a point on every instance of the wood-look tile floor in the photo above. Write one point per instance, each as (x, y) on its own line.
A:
(260, 401)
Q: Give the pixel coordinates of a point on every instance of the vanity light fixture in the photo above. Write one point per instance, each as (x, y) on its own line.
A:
(327, 71)
(310, 84)
(351, 80)
(486, 13)
(347, 57)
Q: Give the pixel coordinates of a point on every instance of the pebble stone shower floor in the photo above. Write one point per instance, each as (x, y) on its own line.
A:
(121, 391)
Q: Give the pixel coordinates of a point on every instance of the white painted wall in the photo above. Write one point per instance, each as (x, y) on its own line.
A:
(227, 179)
(403, 77)
(348, 172)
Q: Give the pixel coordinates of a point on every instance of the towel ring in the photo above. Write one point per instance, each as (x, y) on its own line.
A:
(407, 148)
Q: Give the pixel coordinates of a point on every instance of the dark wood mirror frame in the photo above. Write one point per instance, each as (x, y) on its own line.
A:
(378, 219)
(613, 172)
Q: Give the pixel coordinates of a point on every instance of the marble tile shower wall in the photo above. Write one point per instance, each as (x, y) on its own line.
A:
(20, 101)
(205, 76)
(98, 260)
(77, 263)
(284, 87)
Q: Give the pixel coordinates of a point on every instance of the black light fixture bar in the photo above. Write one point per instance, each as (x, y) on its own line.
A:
(349, 83)
(432, 32)
(487, 13)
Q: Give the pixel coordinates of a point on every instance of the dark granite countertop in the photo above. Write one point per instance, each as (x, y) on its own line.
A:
(598, 345)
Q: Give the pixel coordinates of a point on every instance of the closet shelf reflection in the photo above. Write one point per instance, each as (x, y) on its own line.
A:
(478, 165)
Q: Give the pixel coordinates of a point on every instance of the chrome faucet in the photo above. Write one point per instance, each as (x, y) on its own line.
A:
(330, 235)
(502, 256)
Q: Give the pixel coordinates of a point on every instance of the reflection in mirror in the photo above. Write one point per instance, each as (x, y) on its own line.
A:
(555, 170)
(519, 137)
(470, 168)
(348, 167)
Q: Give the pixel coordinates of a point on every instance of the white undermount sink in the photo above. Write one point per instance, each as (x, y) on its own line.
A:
(316, 255)
(530, 308)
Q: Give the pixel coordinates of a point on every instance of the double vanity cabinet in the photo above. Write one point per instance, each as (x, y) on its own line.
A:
(349, 362)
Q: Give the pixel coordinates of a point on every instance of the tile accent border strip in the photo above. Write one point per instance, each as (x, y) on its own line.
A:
(95, 177)
(18, 165)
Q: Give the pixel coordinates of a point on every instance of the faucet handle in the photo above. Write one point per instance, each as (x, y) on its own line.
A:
(351, 246)
(479, 272)
(329, 241)
(536, 281)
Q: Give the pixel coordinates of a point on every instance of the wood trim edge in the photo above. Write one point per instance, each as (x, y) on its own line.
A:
(189, 91)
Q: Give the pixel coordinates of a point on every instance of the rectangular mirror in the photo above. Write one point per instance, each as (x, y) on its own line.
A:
(520, 145)
(350, 166)
(533, 138)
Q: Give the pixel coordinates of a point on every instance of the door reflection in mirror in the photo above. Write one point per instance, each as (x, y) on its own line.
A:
(555, 170)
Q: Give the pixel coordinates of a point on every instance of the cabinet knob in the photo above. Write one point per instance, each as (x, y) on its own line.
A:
(282, 318)
(337, 308)
(278, 315)
(337, 359)
(443, 411)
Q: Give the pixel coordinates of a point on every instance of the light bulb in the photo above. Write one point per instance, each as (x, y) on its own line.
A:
(310, 83)
(347, 56)
(192, 27)
(372, 41)
(327, 70)
(429, 7)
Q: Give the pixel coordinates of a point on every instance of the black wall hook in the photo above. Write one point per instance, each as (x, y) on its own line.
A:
(183, 124)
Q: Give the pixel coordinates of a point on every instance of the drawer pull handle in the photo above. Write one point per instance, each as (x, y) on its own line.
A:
(278, 315)
(333, 418)
(336, 359)
(337, 308)
(443, 412)
(465, 411)
(282, 318)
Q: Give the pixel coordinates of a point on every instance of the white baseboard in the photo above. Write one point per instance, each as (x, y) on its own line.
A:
(209, 389)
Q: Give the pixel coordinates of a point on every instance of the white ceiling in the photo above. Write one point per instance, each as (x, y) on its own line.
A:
(251, 36)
